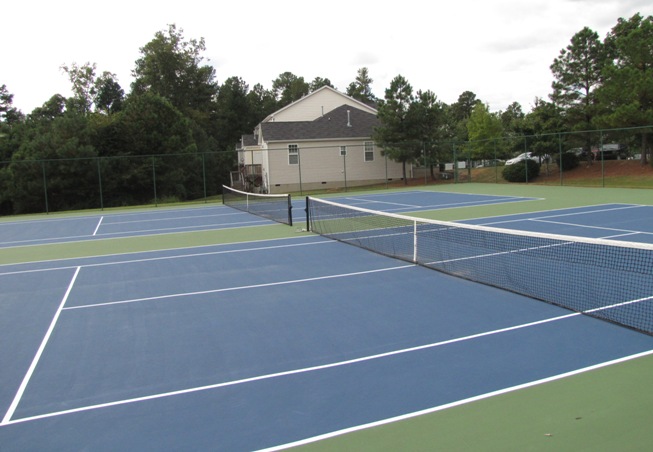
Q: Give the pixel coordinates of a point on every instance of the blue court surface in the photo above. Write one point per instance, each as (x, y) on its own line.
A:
(627, 222)
(58, 229)
(415, 201)
(256, 345)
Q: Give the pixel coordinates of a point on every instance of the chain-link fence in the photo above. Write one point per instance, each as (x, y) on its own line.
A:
(28, 186)
(601, 158)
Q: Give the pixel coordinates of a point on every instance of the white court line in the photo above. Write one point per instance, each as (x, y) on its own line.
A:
(460, 205)
(136, 233)
(162, 258)
(523, 217)
(78, 217)
(587, 212)
(178, 229)
(624, 231)
(231, 289)
(496, 199)
(39, 352)
(489, 202)
(617, 305)
(291, 372)
(384, 202)
(152, 220)
(454, 404)
(9, 421)
(98, 226)
(617, 236)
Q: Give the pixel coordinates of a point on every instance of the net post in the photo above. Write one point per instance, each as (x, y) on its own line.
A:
(308, 215)
(289, 211)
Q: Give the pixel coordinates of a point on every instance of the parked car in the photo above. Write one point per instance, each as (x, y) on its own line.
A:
(492, 163)
(527, 155)
(612, 151)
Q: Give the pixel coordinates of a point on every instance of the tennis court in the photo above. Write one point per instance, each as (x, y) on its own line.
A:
(267, 343)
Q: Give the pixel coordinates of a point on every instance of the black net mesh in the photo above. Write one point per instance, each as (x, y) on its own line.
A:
(273, 207)
(607, 279)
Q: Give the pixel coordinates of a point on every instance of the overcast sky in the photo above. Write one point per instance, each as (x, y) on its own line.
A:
(499, 49)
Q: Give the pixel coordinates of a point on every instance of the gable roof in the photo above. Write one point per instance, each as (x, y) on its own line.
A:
(313, 104)
(343, 122)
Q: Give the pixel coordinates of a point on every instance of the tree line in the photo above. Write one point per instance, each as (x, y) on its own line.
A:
(598, 84)
(178, 125)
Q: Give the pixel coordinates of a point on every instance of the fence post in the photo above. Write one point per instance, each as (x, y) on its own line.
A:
(426, 166)
(344, 164)
(299, 164)
(526, 158)
(455, 164)
(99, 175)
(204, 176)
(496, 166)
(156, 202)
(602, 159)
(45, 187)
(385, 155)
(560, 153)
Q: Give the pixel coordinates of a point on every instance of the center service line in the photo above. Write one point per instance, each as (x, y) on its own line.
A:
(37, 357)
(98, 226)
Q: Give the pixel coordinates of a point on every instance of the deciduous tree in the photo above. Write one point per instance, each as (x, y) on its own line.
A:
(173, 68)
(484, 130)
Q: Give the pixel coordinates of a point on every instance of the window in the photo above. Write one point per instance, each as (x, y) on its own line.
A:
(343, 151)
(369, 151)
(293, 154)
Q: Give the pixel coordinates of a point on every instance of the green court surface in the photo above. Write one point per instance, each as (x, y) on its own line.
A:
(548, 198)
(609, 408)
(606, 409)
(139, 244)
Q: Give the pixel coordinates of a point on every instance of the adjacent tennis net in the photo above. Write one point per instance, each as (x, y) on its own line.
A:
(273, 207)
(608, 279)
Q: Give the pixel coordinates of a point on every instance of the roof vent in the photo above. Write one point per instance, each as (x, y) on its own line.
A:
(348, 118)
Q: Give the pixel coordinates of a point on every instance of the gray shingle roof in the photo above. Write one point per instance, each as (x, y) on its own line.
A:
(249, 140)
(333, 125)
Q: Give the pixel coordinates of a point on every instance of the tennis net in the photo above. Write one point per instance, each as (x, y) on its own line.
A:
(607, 279)
(273, 207)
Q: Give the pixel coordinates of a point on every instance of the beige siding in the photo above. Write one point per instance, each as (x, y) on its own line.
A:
(317, 104)
(323, 167)
(251, 156)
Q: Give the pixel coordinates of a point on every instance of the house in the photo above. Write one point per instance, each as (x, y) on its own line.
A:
(322, 141)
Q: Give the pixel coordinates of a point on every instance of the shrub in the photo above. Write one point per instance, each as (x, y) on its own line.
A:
(569, 161)
(518, 171)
